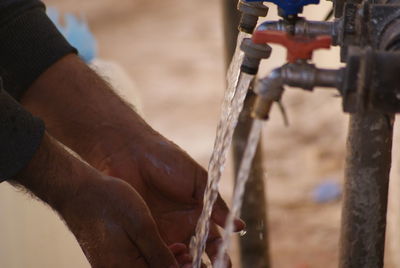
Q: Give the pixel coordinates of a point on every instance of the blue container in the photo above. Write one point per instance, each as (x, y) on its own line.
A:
(289, 7)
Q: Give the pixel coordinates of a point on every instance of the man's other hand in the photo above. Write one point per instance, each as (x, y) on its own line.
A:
(108, 217)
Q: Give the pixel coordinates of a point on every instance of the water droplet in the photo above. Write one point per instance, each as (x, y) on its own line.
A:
(243, 233)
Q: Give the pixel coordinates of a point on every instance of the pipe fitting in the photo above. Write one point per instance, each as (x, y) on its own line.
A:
(271, 87)
(303, 27)
(299, 74)
(251, 11)
(254, 53)
(269, 90)
(308, 76)
(316, 28)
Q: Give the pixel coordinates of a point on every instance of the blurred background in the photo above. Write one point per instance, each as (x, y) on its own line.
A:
(171, 55)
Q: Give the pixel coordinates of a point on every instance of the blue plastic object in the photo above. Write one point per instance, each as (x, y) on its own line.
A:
(327, 191)
(289, 7)
(77, 33)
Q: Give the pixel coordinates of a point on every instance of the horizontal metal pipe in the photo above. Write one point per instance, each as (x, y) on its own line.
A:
(328, 78)
(302, 27)
(303, 75)
(307, 76)
(314, 28)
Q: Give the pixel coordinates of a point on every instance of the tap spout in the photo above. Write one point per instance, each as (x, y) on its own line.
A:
(269, 90)
(300, 74)
(250, 13)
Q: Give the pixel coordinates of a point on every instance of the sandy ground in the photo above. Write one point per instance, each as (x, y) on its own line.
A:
(173, 51)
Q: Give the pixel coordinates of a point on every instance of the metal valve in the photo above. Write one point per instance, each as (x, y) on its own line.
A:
(289, 7)
(298, 47)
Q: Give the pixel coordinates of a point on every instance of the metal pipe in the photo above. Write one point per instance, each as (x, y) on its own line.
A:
(269, 90)
(316, 28)
(307, 76)
(254, 245)
(251, 11)
(254, 53)
(302, 74)
(303, 27)
(368, 163)
(365, 198)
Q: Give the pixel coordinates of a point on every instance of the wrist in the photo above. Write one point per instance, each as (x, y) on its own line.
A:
(53, 175)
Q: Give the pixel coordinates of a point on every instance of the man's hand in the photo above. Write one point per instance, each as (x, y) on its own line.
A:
(107, 216)
(171, 183)
(81, 110)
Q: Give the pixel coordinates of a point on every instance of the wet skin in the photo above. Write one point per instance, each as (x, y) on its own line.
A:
(110, 220)
(82, 112)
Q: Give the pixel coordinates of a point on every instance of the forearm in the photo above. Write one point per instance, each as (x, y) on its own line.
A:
(53, 174)
(81, 110)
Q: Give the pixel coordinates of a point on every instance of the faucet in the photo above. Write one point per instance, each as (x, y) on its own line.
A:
(291, 24)
(298, 72)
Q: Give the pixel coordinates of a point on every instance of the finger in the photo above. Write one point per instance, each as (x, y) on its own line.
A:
(184, 259)
(177, 248)
(154, 250)
(220, 214)
(181, 253)
(143, 233)
(213, 243)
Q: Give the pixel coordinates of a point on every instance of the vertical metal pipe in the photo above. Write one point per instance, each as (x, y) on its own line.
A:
(254, 246)
(368, 163)
(254, 250)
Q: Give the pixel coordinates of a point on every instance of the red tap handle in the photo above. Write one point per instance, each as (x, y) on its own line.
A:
(298, 47)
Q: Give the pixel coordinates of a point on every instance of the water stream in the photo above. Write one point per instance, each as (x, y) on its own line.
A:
(237, 200)
(232, 105)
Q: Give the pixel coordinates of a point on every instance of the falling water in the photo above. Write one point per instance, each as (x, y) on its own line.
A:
(237, 200)
(232, 105)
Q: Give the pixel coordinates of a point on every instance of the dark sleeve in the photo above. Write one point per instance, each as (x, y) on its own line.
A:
(29, 44)
(20, 136)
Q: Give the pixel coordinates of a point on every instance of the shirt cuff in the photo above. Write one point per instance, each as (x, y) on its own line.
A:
(20, 136)
(30, 44)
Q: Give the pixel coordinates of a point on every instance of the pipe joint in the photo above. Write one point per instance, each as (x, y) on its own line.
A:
(251, 11)
(254, 53)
